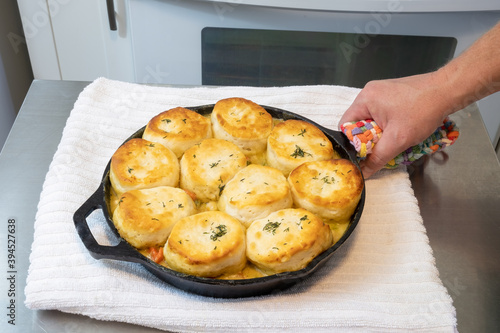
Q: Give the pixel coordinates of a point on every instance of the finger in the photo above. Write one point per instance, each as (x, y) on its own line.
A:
(366, 170)
(384, 151)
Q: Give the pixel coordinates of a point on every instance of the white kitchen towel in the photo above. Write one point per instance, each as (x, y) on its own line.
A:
(383, 279)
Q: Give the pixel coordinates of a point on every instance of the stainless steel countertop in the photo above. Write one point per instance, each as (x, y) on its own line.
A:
(458, 192)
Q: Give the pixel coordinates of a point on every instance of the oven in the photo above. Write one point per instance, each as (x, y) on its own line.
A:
(254, 42)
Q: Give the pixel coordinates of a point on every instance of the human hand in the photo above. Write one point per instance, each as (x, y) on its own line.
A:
(407, 110)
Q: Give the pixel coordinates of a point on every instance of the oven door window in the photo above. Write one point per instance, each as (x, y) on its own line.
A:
(264, 58)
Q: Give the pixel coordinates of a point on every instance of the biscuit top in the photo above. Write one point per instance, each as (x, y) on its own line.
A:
(140, 163)
(331, 183)
(299, 141)
(208, 166)
(216, 235)
(242, 118)
(178, 129)
(256, 185)
(149, 211)
(283, 234)
(180, 123)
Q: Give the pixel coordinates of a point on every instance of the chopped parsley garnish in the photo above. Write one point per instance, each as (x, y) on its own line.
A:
(212, 165)
(303, 218)
(271, 227)
(221, 188)
(299, 152)
(219, 231)
(327, 180)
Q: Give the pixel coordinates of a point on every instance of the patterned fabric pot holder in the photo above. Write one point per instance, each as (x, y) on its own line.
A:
(363, 135)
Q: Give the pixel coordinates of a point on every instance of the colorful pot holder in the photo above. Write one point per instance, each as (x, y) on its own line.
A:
(365, 134)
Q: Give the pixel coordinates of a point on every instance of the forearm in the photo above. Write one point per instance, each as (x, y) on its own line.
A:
(473, 75)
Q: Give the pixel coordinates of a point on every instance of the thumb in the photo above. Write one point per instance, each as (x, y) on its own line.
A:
(355, 112)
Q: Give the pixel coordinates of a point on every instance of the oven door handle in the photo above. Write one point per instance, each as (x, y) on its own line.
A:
(111, 14)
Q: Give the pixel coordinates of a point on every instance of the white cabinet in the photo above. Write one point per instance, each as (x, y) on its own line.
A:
(7, 111)
(71, 40)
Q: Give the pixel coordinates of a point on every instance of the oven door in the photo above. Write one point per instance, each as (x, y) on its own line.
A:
(240, 43)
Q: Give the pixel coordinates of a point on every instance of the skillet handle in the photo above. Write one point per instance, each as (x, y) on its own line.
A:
(121, 251)
(344, 142)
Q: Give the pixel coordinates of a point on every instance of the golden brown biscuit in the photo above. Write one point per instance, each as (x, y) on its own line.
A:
(145, 217)
(140, 163)
(287, 240)
(255, 192)
(294, 142)
(242, 122)
(208, 166)
(178, 129)
(207, 244)
(330, 189)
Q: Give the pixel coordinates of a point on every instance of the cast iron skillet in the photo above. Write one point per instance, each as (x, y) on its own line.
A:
(207, 286)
